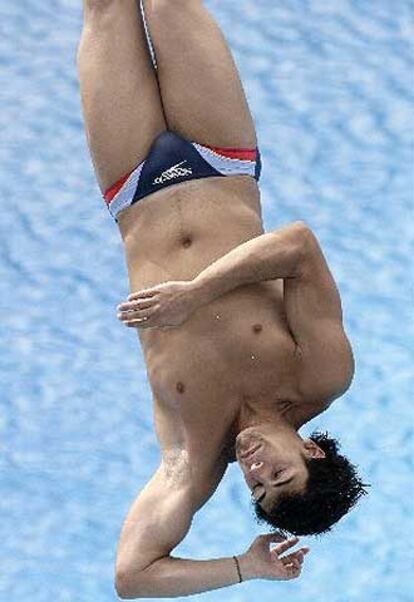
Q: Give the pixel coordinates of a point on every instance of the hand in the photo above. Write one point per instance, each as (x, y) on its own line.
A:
(260, 562)
(166, 304)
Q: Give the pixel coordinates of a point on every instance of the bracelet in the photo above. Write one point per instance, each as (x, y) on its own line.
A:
(236, 560)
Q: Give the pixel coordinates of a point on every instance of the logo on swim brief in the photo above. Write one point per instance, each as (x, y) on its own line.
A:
(173, 172)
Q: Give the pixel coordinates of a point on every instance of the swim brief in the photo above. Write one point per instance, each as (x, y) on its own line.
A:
(172, 160)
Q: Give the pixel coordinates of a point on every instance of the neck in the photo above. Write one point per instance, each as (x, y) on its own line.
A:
(279, 415)
(254, 414)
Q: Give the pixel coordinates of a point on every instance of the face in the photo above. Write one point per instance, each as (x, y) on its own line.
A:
(273, 462)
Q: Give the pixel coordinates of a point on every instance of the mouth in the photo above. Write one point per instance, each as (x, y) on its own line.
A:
(247, 454)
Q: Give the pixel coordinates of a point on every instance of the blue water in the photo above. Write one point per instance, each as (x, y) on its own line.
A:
(330, 84)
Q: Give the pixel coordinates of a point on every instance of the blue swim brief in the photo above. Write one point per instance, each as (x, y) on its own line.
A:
(172, 160)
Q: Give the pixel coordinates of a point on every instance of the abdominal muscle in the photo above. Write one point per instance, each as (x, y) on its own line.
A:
(236, 347)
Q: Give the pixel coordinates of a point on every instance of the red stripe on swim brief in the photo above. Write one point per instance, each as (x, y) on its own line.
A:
(248, 154)
(111, 192)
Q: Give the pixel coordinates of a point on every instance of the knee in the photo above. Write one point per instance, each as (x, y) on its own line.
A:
(157, 5)
(100, 4)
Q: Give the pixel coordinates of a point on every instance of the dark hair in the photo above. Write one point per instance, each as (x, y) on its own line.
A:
(332, 489)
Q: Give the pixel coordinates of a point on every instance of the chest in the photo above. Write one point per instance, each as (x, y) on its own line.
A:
(236, 348)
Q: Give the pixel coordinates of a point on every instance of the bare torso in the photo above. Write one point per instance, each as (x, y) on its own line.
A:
(237, 348)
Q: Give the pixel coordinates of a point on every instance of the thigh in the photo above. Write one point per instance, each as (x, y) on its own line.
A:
(201, 91)
(121, 102)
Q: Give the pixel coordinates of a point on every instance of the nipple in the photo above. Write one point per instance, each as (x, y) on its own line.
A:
(180, 387)
(257, 328)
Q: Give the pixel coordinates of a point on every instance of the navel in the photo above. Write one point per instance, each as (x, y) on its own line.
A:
(180, 387)
(186, 241)
(257, 328)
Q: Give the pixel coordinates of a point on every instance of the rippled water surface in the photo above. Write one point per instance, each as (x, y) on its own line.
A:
(330, 84)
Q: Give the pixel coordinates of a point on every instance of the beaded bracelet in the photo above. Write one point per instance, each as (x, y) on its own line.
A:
(236, 560)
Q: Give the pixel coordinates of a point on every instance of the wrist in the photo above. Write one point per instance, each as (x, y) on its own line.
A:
(246, 567)
(200, 291)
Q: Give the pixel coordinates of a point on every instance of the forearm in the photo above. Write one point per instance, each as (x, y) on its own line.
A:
(171, 577)
(267, 257)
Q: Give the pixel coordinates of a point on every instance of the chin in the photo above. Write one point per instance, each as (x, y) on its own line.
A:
(251, 432)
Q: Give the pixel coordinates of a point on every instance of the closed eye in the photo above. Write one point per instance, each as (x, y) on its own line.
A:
(276, 485)
(264, 493)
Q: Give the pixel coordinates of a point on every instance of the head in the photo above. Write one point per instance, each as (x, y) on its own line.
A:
(298, 486)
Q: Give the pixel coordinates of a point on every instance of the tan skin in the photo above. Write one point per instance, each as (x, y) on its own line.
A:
(235, 375)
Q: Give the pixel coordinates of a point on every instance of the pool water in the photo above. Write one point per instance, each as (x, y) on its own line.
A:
(331, 88)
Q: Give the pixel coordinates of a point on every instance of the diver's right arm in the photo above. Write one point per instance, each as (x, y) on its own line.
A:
(156, 523)
(273, 255)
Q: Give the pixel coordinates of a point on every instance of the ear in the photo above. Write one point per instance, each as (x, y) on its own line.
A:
(313, 450)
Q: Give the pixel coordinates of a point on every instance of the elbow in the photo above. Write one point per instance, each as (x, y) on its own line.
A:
(132, 583)
(126, 587)
(308, 245)
(302, 233)
(122, 586)
(303, 245)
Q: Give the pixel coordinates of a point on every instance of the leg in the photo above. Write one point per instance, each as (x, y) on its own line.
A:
(201, 91)
(121, 103)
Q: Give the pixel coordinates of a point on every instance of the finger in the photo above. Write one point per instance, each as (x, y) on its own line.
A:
(298, 555)
(302, 553)
(127, 316)
(293, 572)
(270, 537)
(136, 321)
(296, 562)
(144, 293)
(137, 304)
(143, 326)
(139, 322)
(290, 562)
(293, 566)
(145, 319)
(139, 314)
(287, 559)
(292, 540)
(286, 545)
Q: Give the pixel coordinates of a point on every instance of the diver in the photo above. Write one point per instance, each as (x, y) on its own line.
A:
(241, 329)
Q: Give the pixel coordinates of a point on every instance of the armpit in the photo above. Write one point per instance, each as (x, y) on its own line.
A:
(326, 367)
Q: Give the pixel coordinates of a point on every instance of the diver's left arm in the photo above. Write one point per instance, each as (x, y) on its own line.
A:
(158, 521)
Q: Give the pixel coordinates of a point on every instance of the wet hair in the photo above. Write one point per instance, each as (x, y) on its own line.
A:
(332, 489)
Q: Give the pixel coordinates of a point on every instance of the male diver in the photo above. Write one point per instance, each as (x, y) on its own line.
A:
(241, 330)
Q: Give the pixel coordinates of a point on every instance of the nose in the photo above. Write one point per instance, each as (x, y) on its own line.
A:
(254, 473)
(256, 466)
(260, 472)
